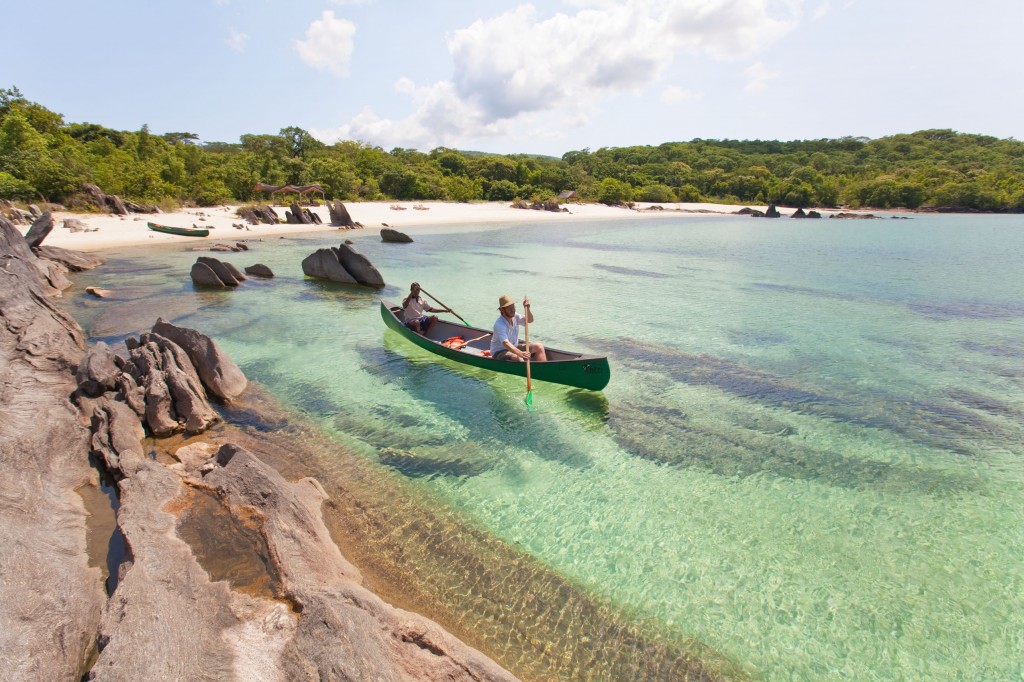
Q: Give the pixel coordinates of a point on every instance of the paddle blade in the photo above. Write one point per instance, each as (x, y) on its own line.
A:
(529, 400)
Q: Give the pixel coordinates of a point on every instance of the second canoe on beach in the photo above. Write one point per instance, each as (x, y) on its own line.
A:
(181, 231)
(571, 369)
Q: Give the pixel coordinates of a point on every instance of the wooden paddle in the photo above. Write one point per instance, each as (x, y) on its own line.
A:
(466, 343)
(446, 307)
(526, 331)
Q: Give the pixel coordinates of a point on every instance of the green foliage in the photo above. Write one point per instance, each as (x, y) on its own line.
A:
(503, 190)
(13, 189)
(614, 192)
(42, 157)
(656, 193)
(462, 189)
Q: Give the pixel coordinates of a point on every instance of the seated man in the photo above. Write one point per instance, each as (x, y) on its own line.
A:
(505, 339)
(413, 309)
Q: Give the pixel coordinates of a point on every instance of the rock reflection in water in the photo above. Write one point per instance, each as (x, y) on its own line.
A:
(925, 422)
(668, 436)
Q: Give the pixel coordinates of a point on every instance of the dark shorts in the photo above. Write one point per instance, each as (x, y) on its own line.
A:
(506, 355)
(420, 322)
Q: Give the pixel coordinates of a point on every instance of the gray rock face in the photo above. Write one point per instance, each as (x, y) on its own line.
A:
(235, 272)
(223, 273)
(360, 267)
(50, 598)
(41, 227)
(210, 272)
(74, 261)
(116, 435)
(98, 371)
(75, 225)
(204, 276)
(259, 270)
(388, 234)
(218, 372)
(168, 619)
(324, 264)
(339, 214)
(54, 273)
(389, 643)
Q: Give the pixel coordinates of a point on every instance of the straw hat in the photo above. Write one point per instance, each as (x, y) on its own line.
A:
(505, 301)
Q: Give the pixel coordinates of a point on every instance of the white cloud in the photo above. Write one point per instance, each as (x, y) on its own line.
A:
(514, 69)
(674, 94)
(237, 40)
(759, 76)
(328, 45)
(352, 3)
(821, 10)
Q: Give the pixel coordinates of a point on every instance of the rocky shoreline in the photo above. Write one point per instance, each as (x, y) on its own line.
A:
(168, 618)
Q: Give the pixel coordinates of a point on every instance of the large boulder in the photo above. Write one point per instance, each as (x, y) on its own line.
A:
(210, 272)
(259, 270)
(298, 215)
(360, 266)
(74, 261)
(218, 372)
(339, 214)
(98, 371)
(204, 276)
(41, 227)
(227, 273)
(388, 234)
(324, 264)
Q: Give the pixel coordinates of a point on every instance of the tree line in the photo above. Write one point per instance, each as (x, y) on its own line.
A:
(44, 158)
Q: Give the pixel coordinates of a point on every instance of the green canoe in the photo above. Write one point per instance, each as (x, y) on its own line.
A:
(181, 231)
(572, 369)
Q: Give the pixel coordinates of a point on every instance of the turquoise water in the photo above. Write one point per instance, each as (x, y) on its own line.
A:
(809, 457)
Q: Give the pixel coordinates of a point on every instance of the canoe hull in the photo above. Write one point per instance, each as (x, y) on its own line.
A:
(180, 231)
(590, 372)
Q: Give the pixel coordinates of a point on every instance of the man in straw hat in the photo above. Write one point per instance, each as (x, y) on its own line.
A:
(505, 343)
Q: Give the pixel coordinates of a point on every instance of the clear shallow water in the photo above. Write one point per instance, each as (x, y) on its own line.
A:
(808, 459)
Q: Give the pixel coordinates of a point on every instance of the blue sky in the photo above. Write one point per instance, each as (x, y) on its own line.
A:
(506, 77)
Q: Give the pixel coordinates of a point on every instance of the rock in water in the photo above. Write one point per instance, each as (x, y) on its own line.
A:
(360, 266)
(391, 235)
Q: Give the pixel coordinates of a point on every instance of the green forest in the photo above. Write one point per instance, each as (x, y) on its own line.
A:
(43, 158)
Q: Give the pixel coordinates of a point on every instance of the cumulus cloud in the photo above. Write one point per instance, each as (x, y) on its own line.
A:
(237, 40)
(328, 44)
(512, 69)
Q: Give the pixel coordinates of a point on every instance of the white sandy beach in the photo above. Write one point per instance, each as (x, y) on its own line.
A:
(112, 231)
